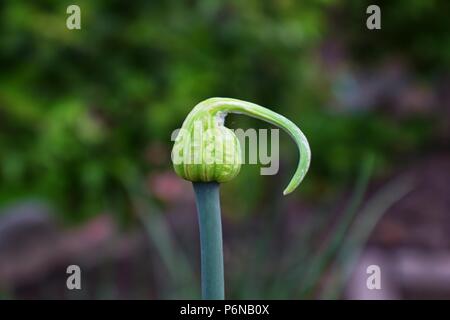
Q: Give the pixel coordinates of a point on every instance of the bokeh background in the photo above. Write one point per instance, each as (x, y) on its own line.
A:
(85, 123)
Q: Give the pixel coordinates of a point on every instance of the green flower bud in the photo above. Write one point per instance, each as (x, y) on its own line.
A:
(205, 150)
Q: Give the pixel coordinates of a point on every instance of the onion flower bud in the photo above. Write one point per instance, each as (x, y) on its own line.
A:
(206, 151)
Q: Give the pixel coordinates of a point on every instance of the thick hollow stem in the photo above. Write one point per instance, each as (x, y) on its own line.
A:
(208, 208)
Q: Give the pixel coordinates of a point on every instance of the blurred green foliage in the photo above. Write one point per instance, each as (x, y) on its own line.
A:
(80, 110)
(416, 30)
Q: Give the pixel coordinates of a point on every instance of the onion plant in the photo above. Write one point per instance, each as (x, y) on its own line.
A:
(208, 153)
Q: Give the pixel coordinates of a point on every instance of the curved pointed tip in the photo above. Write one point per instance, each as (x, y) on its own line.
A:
(293, 184)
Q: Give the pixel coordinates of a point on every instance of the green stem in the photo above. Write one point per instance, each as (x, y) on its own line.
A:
(208, 208)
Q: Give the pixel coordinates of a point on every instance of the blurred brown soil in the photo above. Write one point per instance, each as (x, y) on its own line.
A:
(422, 218)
